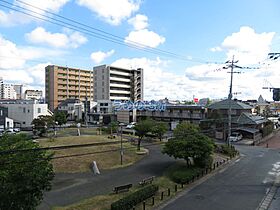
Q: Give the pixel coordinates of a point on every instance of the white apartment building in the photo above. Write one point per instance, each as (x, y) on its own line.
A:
(114, 83)
(1, 87)
(24, 111)
(33, 94)
(8, 91)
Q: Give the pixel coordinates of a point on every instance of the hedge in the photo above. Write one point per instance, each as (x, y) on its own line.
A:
(183, 175)
(133, 199)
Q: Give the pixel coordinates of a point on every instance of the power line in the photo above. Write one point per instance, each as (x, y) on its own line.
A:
(105, 36)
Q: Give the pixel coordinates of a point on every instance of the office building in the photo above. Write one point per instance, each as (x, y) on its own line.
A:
(113, 83)
(62, 83)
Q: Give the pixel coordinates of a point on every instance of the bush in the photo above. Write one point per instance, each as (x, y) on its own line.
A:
(205, 162)
(133, 199)
(184, 174)
(228, 150)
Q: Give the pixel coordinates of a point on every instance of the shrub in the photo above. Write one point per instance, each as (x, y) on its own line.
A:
(205, 162)
(228, 150)
(184, 174)
(131, 200)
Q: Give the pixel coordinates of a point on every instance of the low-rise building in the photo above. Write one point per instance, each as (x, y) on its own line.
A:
(5, 122)
(74, 108)
(24, 111)
(175, 114)
(33, 94)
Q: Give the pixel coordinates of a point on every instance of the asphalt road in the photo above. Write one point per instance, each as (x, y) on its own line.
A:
(71, 188)
(241, 186)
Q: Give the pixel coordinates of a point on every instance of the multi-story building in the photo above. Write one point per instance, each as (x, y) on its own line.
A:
(1, 87)
(8, 91)
(33, 94)
(19, 91)
(24, 111)
(62, 83)
(113, 83)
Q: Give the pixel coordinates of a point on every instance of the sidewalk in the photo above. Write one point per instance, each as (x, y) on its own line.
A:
(273, 142)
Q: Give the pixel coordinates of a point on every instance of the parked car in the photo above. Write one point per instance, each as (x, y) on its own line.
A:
(16, 130)
(131, 125)
(235, 137)
(10, 131)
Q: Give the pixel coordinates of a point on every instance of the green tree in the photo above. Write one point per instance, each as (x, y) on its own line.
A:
(60, 118)
(190, 143)
(24, 175)
(42, 123)
(159, 129)
(142, 128)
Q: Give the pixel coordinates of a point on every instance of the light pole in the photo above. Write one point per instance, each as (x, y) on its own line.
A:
(121, 125)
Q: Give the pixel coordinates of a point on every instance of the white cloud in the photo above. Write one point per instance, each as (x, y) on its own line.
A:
(144, 37)
(12, 18)
(139, 22)
(247, 46)
(100, 56)
(112, 12)
(41, 36)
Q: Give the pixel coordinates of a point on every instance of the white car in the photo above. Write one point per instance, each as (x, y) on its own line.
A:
(131, 125)
(235, 137)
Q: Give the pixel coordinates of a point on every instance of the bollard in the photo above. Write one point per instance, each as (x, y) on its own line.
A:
(153, 200)
(175, 187)
(161, 197)
(193, 179)
(217, 164)
(182, 185)
(197, 176)
(168, 192)
(202, 173)
(133, 208)
(144, 205)
(214, 166)
(188, 181)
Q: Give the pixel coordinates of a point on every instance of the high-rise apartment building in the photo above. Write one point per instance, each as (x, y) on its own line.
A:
(62, 83)
(113, 83)
(33, 95)
(1, 87)
(8, 91)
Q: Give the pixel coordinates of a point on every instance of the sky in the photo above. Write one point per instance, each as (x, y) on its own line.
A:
(181, 45)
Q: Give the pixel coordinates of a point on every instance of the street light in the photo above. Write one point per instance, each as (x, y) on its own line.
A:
(121, 125)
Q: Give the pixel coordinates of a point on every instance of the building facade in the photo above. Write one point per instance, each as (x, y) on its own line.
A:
(8, 91)
(19, 91)
(74, 108)
(33, 95)
(113, 83)
(62, 83)
(24, 111)
(1, 87)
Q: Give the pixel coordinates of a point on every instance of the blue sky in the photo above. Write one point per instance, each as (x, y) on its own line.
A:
(204, 33)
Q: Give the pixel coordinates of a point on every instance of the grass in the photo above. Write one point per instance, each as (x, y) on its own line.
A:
(103, 155)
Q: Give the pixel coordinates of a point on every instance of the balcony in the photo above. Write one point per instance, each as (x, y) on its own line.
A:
(119, 73)
(119, 79)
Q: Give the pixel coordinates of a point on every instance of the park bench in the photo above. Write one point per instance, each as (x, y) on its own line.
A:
(122, 188)
(148, 180)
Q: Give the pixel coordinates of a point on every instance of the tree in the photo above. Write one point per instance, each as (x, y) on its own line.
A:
(190, 143)
(159, 129)
(60, 118)
(24, 175)
(113, 126)
(142, 129)
(42, 123)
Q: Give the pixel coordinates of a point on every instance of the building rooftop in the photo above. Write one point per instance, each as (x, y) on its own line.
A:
(225, 105)
(249, 119)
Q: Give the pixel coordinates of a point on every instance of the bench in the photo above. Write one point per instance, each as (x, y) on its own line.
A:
(122, 188)
(148, 180)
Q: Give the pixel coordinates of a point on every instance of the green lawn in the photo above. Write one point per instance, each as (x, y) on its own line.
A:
(103, 155)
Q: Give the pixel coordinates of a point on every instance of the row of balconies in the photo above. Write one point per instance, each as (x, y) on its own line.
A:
(168, 114)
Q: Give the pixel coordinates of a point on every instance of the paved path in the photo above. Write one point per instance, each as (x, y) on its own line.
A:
(72, 188)
(241, 186)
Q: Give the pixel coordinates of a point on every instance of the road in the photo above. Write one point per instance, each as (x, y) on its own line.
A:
(71, 188)
(242, 185)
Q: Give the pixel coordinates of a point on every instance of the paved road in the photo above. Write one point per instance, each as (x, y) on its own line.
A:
(71, 188)
(242, 186)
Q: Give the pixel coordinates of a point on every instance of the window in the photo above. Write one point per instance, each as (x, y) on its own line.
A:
(39, 110)
(1, 112)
